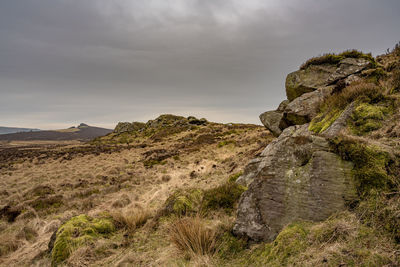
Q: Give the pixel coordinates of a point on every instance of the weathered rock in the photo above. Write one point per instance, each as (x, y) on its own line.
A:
(283, 105)
(271, 120)
(295, 178)
(305, 107)
(347, 67)
(308, 80)
(316, 76)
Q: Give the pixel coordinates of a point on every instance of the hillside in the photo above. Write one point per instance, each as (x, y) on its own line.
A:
(9, 130)
(320, 187)
(81, 132)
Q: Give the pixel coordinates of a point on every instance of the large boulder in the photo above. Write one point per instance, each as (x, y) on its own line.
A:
(317, 76)
(296, 177)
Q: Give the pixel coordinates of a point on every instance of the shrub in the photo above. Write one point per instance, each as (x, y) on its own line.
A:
(183, 202)
(191, 236)
(78, 231)
(222, 197)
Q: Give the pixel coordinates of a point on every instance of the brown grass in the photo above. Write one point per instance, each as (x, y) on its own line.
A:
(190, 235)
(131, 220)
(9, 243)
(359, 90)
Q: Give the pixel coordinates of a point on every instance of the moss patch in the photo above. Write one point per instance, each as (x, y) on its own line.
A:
(78, 231)
(372, 166)
(322, 122)
(367, 118)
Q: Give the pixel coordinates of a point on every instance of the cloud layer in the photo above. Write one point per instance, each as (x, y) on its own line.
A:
(100, 62)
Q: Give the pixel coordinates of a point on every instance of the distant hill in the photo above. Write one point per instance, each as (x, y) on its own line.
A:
(81, 132)
(9, 130)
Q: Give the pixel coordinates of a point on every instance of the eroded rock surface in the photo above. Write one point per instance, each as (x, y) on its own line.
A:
(295, 178)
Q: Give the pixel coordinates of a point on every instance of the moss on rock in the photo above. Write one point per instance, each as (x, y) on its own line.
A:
(367, 118)
(78, 231)
(322, 122)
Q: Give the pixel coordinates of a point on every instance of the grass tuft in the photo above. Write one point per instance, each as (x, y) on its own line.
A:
(191, 236)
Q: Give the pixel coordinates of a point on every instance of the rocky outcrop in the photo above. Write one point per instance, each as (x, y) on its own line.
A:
(316, 76)
(123, 127)
(307, 88)
(163, 121)
(296, 177)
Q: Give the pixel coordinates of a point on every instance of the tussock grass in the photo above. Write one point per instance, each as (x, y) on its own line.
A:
(191, 235)
(131, 219)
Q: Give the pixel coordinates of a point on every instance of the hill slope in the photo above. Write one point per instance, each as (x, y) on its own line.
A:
(76, 133)
(9, 130)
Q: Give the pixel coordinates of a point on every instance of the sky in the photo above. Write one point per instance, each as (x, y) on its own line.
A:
(63, 62)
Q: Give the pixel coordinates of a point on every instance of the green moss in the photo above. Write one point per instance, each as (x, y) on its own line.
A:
(230, 246)
(234, 177)
(76, 232)
(183, 202)
(367, 118)
(290, 242)
(322, 122)
(222, 197)
(371, 165)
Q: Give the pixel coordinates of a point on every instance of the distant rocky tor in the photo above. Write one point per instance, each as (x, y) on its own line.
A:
(299, 176)
(163, 121)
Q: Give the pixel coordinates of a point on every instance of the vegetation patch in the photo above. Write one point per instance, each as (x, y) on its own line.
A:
(224, 197)
(334, 59)
(367, 118)
(373, 168)
(191, 236)
(226, 142)
(79, 231)
(183, 202)
(333, 106)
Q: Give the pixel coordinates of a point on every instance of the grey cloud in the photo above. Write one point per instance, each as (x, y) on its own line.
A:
(104, 61)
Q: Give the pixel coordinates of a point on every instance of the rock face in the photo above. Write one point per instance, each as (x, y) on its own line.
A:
(316, 76)
(305, 107)
(295, 178)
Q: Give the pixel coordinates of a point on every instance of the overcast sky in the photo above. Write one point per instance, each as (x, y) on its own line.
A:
(63, 62)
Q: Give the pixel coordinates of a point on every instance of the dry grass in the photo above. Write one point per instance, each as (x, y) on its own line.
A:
(131, 219)
(190, 235)
(357, 90)
(9, 243)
